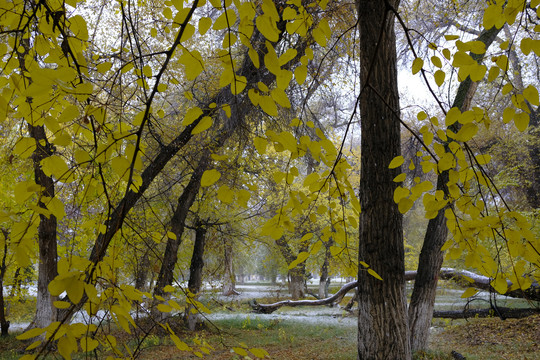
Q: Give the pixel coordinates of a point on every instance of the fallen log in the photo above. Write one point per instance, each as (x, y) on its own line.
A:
(270, 308)
(470, 279)
(501, 312)
(462, 277)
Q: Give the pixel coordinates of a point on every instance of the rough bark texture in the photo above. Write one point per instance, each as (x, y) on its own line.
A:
(47, 270)
(170, 256)
(196, 271)
(141, 272)
(297, 275)
(431, 256)
(425, 284)
(383, 331)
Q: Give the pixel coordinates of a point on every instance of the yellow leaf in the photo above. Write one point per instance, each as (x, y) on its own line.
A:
(400, 193)
(74, 289)
(260, 145)
(280, 97)
(210, 177)
(61, 304)
(452, 116)
(225, 194)
(240, 351)
(417, 65)
(405, 205)
(32, 333)
(238, 85)
(267, 27)
(205, 123)
(483, 159)
(168, 288)
(88, 344)
(400, 178)
(147, 71)
(521, 120)
(164, 308)
(204, 25)
(179, 343)
(436, 61)
(493, 73)
(225, 20)
(300, 74)
(25, 147)
(268, 105)
(469, 292)
(301, 258)
(316, 247)
(260, 353)
(467, 132)
(193, 63)
(374, 274)
(531, 94)
(55, 166)
(396, 162)
(500, 284)
(439, 77)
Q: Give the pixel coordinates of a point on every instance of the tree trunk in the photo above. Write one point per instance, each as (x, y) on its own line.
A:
(46, 313)
(431, 256)
(324, 281)
(196, 272)
(297, 282)
(47, 268)
(170, 256)
(141, 272)
(4, 324)
(229, 281)
(383, 330)
(425, 284)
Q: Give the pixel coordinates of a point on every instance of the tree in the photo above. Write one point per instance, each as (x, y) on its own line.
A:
(383, 331)
(127, 121)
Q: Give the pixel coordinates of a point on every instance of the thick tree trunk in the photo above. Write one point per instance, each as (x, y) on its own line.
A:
(47, 268)
(297, 282)
(46, 313)
(297, 275)
(229, 279)
(425, 284)
(431, 256)
(141, 272)
(196, 272)
(170, 256)
(383, 330)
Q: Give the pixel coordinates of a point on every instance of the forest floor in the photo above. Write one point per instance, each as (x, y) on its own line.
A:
(480, 339)
(314, 333)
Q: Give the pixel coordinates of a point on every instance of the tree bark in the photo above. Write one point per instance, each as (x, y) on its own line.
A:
(502, 312)
(170, 256)
(383, 330)
(196, 272)
(431, 256)
(229, 279)
(297, 275)
(4, 323)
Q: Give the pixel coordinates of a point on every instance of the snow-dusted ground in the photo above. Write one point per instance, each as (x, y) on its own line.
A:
(447, 299)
